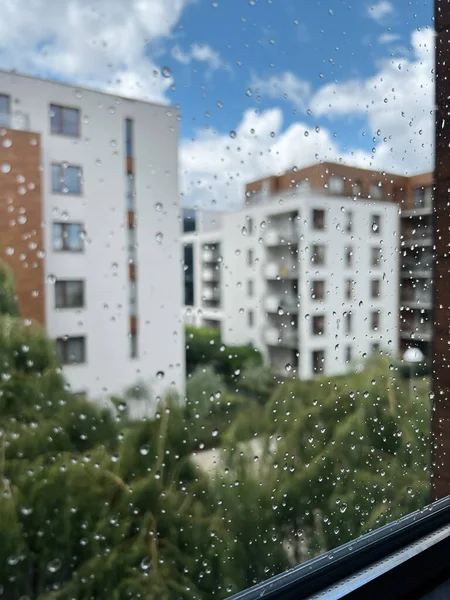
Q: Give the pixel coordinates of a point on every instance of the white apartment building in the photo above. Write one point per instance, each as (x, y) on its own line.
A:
(95, 177)
(311, 279)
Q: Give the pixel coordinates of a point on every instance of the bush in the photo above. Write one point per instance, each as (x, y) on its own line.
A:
(202, 346)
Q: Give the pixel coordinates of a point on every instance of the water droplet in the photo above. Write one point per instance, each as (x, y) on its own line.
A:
(374, 227)
(158, 206)
(248, 92)
(7, 143)
(288, 367)
(51, 279)
(232, 134)
(160, 375)
(166, 72)
(146, 563)
(9, 250)
(159, 237)
(54, 565)
(215, 433)
(244, 231)
(144, 450)
(5, 168)
(115, 457)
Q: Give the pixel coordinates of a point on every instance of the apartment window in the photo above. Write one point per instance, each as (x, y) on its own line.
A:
(376, 191)
(376, 257)
(129, 137)
(349, 288)
(349, 256)
(249, 225)
(189, 275)
(336, 185)
(349, 221)
(348, 354)
(318, 290)
(130, 192)
(133, 298)
(66, 179)
(376, 224)
(356, 188)
(64, 120)
(318, 219)
(250, 289)
(132, 244)
(69, 294)
(250, 318)
(375, 320)
(318, 254)
(348, 320)
(375, 288)
(318, 325)
(133, 345)
(68, 237)
(419, 197)
(318, 361)
(250, 257)
(71, 350)
(375, 348)
(4, 110)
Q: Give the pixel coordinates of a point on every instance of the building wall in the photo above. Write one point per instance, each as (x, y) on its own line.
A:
(21, 215)
(102, 207)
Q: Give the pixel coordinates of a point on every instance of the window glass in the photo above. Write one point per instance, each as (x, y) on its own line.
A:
(4, 111)
(349, 256)
(318, 290)
(318, 254)
(68, 237)
(64, 120)
(336, 185)
(318, 219)
(66, 179)
(250, 257)
(71, 350)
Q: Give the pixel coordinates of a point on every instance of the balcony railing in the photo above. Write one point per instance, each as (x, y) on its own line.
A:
(417, 330)
(275, 270)
(412, 266)
(416, 296)
(421, 235)
(274, 237)
(211, 294)
(210, 256)
(285, 303)
(210, 275)
(283, 337)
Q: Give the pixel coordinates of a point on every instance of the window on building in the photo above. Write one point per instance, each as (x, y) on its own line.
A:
(250, 257)
(376, 191)
(130, 194)
(375, 348)
(64, 120)
(376, 257)
(68, 237)
(71, 350)
(375, 227)
(133, 345)
(69, 293)
(348, 321)
(349, 221)
(336, 185)
(4, 111)
(375, 320)
(349, 289)
(131, 234)
(318, 361)
(375, 288)
(249, 225)
(189, 275)
(129, 137)
(250, 318)
(348, 256)
(348, 354)
(318, 254)
(318, 324)
(419, 197)
(250, 288)
(318, 290)
(356, 188)
(318, 217)
(132, 291)
(66, 179)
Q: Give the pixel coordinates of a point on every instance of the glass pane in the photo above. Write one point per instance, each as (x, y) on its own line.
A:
(74, 240)
(70, 121)
(75, 350)
(57, 236)
(72, 180)
(4, 111)
(59, 294)
(60, 351)
(74, 293)
(55, 118)
(57, 184)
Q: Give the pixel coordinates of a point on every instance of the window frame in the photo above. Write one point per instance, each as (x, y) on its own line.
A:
(314, 254)
(61, 179)
(60, 131)
(316, 329)
(65, 341)
(321, 371)
(64, 225)
(64, 283)
(321, 283)
(318, 219)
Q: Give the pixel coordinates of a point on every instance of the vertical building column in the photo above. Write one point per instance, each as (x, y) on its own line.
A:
(131, 238)
(441, 280)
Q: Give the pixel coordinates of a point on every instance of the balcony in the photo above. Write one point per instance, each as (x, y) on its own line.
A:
(210, 275)
(286, 270)
(421, 236)
(274, 237)
(283, 337)
(210, 256)
(416, 330)
(210, 293)
(416, 297)
(16, 120)
(411, 267)
(288, 304)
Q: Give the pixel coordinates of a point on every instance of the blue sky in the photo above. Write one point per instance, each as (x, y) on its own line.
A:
(298, 81)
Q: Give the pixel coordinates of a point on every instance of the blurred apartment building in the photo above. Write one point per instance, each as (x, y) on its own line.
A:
(322, 266)
(89, 223)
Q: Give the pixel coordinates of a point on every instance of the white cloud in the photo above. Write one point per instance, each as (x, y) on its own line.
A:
(200, 53)
(285, 86)
(380, 10)
(215, 166)
(388, 38)
(103, 43)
